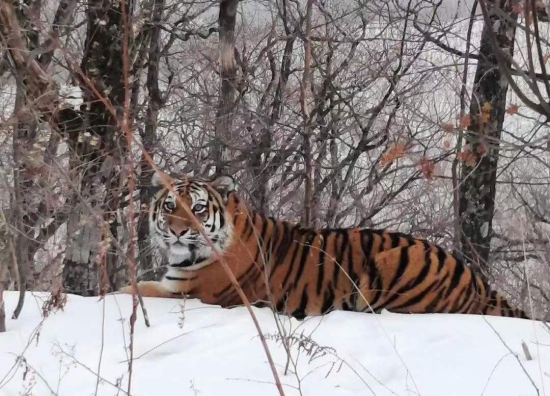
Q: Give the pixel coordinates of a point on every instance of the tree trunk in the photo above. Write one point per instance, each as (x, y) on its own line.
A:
(228, 88)
(480, 155)
(148, 138)
(100, 149)
(23, 140)
(305, 88)
(5, 259)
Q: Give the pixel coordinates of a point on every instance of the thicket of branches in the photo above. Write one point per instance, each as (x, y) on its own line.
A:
(428, 117)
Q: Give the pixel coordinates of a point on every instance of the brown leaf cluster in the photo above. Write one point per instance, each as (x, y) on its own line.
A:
(467, 156)
(395, 151)
(427, 167)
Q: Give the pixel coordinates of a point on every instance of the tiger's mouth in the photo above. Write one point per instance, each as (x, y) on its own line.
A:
(185, 255)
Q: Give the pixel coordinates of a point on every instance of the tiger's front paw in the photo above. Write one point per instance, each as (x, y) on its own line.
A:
(148, 289)
(129, 289)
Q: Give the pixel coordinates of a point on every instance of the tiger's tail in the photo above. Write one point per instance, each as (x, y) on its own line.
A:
(496, 305)
(424, 278)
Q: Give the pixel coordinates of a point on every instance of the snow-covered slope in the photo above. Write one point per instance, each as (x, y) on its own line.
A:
(195, 349)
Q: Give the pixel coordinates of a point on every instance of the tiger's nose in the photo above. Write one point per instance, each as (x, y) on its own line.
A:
(178, 229)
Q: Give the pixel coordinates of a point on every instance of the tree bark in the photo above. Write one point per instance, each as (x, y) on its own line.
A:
(101, 150)
(228, 88)
(23, 140)
(148, 138)
(305, 88)
(480, 155)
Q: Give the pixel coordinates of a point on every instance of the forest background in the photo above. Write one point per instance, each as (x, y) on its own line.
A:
(427, 117)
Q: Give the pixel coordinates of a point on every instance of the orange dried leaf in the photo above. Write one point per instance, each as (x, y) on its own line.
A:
(546, 58)
(395, 151)
(484, 117)
(470, 159)
(447, 144)
(467, 156)
(487, 107)
(447, 126)
(462, 154)
(465, 121)
(427, 168)
(512, 109)
(481, 149)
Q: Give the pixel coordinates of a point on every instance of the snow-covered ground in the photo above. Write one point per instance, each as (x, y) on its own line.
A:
(195, 349)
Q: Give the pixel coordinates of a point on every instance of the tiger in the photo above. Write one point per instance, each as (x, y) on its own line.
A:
(300, 271)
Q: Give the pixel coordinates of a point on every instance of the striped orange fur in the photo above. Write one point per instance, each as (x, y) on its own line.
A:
(301, 271)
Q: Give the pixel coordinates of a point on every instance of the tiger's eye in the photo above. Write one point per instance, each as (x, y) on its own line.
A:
(199, 208)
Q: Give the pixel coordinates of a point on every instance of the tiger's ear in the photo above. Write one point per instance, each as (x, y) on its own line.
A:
(160, 179)
(223, 185)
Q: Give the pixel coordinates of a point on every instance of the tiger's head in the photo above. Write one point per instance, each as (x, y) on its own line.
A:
(175, 231)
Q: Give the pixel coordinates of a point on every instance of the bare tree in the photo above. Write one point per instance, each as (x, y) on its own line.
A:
(228, 85)
(327, 113)
(487, 111)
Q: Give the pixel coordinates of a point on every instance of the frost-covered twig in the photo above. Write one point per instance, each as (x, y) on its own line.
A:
(103, 379)
(35, 334)
(514, 354)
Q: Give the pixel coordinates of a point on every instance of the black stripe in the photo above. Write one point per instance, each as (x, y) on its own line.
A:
(375, 284)
(418, 279)
(492, 303)
(175, 278)
(241, 280)
(271, 242)
(297, 245)
(303, 258)
(436, 300)
(284, 245)
(411, 301)
(280, 307)
(321, 265)
(260, 245)
(339, 253)
(252, 223)
(328, 300)
(375, 281)
(441, 257)
(459, 303)
(351, 273)
(366, 243)
(394, 239)
(467, 292)
(282, 249)
(457, 275)
(468, 307)
(300, 312)
(403, 263)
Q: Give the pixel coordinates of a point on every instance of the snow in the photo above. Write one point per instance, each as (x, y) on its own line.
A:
(196, 349)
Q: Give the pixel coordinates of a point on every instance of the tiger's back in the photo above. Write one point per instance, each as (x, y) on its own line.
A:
(313, 272)
(301, 271)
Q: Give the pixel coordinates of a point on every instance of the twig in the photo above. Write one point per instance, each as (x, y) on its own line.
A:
(103, 379)
(165, 342)
(13, 369)
(493, 371)
(514, 354)
(526, 351)
(127, 130)
(102, 346)
(21, 358)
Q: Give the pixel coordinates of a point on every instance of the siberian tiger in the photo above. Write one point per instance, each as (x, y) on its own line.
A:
(301, 271)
